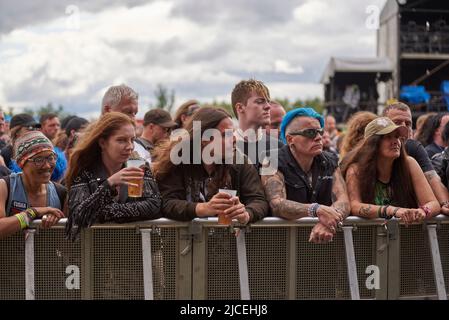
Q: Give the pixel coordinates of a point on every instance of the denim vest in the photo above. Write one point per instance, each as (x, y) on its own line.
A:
(18, 200)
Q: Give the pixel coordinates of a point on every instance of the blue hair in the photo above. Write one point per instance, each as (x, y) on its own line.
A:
(299, 112)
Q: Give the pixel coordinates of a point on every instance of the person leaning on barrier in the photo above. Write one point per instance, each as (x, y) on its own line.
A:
(29, 195)
(190, 189)
(383, 182)
(401, 115)
(97, 179)
(308, 181)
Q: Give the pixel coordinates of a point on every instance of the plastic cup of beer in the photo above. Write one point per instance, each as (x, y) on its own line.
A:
(221, 217)
(135, 191)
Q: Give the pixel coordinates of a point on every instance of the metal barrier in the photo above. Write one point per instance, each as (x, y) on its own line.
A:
(271, 259)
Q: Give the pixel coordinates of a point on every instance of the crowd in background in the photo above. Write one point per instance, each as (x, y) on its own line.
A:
(296, 164)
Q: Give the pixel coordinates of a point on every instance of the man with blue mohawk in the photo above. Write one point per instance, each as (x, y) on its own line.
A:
(307, 182)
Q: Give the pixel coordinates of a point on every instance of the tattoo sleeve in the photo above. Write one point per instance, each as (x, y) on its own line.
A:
(340, 200)
(365, 211)
(277, 197)
(430, 175)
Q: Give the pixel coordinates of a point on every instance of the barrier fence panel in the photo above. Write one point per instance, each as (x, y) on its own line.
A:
(12, 267)
(319, 270)
(58, 270)
(443, 240)
(117, 266)
(202, 260)
(416, 272)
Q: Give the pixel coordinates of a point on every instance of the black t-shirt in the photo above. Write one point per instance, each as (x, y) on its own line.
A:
(416, 150)
(433, 149)
(257, 151)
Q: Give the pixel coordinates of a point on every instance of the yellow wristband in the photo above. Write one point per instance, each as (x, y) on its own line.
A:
(22, 221)
(32, 213)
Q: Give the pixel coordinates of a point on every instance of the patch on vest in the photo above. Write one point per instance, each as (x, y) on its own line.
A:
(17, 207)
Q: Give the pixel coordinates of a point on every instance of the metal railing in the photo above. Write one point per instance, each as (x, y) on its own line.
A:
(271, 259)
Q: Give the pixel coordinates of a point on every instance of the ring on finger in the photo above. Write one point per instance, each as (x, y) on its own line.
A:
(44, 217)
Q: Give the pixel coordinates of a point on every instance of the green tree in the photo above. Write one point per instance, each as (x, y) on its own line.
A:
(165, 98)
(48, 108)
(221, 104)
(316, 103)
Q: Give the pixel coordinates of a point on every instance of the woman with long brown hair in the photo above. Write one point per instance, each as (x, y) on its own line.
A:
(97, 179)
(190, 183)
(383, 181)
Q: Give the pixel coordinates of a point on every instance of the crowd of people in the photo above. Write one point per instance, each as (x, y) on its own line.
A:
(286, 164)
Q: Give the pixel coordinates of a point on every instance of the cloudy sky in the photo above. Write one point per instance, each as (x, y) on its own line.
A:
(69, 52)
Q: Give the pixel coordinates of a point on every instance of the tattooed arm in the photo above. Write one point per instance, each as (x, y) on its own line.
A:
(438, 188)
(274, 186)
(364, 210)
(340, 200)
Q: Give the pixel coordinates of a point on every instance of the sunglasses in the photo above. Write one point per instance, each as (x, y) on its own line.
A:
(308, 133)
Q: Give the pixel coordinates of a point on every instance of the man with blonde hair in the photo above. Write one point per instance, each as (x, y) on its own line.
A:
(251, 104)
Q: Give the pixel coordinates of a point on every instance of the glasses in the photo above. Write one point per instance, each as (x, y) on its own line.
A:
(39, 161)
(308, 133)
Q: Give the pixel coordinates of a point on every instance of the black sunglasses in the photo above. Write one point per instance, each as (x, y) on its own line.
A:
(308, 133)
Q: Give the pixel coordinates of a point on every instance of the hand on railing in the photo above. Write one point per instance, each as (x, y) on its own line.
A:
(410, 215)
(49, 216)
(329, 217)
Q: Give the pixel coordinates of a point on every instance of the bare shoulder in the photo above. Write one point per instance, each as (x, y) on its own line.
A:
(3, 187)
(412, 163)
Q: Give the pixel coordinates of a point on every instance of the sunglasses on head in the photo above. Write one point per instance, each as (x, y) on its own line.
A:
(308, 133)
(191, 110)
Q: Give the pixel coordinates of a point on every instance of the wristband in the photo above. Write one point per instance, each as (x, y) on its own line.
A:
(24, 220)
(312, 210)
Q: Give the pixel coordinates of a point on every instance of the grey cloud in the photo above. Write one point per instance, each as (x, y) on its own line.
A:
(16, 14)
(262, 13)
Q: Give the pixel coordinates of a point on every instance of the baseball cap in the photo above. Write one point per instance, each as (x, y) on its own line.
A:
(382, 126)
(159, 117)
(23, 120)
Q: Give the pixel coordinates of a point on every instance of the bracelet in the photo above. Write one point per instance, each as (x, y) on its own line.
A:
(379, 212)
(312, 210)
(426, 210)
(32, 213)
(384, 211)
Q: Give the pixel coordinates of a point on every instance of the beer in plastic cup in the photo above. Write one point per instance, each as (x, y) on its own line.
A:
(221, 217)
(135, 191)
